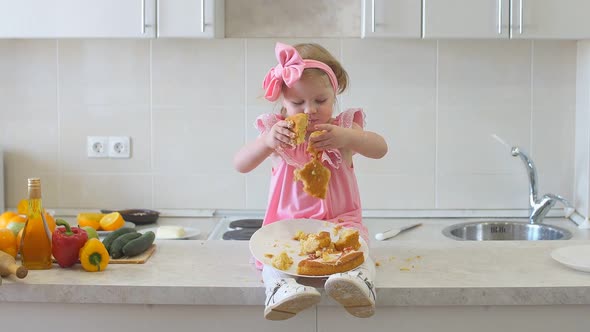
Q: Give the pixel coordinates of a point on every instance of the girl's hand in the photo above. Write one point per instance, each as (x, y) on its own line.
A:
(334, 137)
(280, 135)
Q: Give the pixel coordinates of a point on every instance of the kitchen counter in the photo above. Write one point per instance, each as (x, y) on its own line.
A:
(418, 268)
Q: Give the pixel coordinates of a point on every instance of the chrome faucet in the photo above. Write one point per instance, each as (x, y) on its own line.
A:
(539, 208)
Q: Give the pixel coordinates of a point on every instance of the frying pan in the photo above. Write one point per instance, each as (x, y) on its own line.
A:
(137, 216)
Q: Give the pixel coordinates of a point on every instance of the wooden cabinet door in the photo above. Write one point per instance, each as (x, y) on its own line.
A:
(391, 18)
(550, 19)
(77, 18)
(190, 18)
(486, 19)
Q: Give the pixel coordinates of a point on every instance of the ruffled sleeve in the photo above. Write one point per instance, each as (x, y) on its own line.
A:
(350, 116)
(265, 121)
(344, 120)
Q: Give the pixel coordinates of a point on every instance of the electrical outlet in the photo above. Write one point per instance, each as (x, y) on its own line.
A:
(97, 146)
(119, 147)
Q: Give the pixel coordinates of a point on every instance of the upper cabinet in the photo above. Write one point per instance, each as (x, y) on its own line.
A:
(478, 19)
(111, 18)
(550, 19)
(77, 19)
(474, 19)
(391, 18)
(190, 18)
(466, 18)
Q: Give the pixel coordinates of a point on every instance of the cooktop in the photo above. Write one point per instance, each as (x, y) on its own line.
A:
(235, 228)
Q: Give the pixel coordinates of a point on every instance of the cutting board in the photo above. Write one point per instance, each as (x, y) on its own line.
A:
(139, 259)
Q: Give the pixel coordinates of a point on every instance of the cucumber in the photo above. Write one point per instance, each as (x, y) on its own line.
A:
(120, 242)
(139, 245)
(108, 240)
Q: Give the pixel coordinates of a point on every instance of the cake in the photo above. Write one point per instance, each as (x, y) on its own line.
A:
(315, 178)
(315, 242)
(314, 175)
(282, 261)
(348, 238)
(299, 126)
(330, 264)
(325, 257)
(313, 152)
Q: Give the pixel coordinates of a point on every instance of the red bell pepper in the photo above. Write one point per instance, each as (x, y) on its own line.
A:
(66, 243)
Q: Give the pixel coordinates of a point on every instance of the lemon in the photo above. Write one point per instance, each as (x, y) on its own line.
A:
(112, 221)
(91, 219)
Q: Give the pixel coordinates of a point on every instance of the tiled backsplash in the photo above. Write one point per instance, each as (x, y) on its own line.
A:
(188, 105)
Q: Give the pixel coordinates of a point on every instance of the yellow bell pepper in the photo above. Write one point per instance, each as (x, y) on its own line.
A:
(94, 256)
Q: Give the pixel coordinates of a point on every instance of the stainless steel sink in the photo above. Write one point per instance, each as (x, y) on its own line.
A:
(494, 230)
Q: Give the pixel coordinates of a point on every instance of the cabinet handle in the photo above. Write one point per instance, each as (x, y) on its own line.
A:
(520, 17)
(372, 15)
(202, 15)
(500, 17)
(157, 18)
(142, 16)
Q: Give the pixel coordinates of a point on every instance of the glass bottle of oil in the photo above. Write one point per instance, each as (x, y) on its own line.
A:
(35, 246)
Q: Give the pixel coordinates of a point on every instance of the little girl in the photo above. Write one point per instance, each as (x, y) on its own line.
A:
(307, 80)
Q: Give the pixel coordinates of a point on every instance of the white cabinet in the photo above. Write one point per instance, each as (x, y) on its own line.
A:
(111, 18)
(77, 18)
(550, 19)
(190, 18)
(391, 18)
(517, 19)
(488, 19)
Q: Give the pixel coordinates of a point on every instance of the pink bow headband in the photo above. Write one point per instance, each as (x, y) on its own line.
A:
(289, 71)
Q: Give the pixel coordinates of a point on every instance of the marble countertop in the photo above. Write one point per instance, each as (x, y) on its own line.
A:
(417, 268)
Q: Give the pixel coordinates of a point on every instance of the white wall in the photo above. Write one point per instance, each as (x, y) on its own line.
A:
(189, 105)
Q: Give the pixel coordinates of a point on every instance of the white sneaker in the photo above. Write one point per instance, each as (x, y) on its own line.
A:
(286, 299)
(354, 291)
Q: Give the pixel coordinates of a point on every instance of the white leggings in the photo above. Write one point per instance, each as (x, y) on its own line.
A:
(272, 276)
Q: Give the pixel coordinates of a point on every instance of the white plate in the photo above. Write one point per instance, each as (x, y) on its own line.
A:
(128, 224)
(278, 237)
(576, 257)
(189, 233)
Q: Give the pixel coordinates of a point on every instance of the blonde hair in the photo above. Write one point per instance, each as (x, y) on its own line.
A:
(319, 53)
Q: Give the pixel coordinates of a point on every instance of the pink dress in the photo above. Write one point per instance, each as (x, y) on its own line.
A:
(287, 200)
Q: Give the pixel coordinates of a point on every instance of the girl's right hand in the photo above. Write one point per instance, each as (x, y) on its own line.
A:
(280, 135)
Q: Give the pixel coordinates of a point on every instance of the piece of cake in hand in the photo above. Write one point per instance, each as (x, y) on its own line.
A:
(282, 261)
(315, 177)
(313, 152)
(299, 126)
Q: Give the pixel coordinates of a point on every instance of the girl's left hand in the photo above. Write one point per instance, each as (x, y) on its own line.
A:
(334, 137)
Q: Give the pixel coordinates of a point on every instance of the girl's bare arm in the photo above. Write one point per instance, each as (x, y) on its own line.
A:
(366, 143)
(254, 153)
(251, 155)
